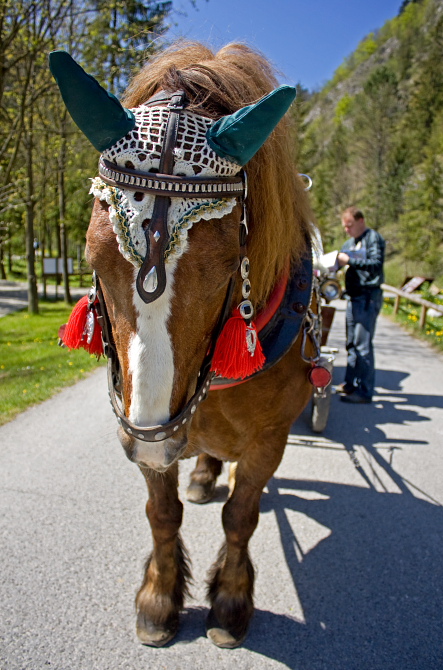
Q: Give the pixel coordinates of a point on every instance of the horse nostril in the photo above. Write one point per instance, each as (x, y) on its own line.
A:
(174, 450)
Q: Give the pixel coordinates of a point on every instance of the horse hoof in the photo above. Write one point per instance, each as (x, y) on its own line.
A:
(200, 493)
(220, 636)
(155, 635)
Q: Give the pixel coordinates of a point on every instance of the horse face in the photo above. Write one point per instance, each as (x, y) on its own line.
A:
(161, 345)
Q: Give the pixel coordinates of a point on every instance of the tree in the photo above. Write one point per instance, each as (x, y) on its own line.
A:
(405, 4)
(421, 223)
(426, 98)
(25, 80)
(377, 109)
(120, 36)
(38, 141)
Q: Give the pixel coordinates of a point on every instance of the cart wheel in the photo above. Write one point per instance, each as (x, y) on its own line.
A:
(320, 411)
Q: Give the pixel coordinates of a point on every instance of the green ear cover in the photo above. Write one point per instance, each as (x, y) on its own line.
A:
(98, 114)
(240, 135)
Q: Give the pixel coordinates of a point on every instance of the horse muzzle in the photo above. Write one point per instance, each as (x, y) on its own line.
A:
(158, 456)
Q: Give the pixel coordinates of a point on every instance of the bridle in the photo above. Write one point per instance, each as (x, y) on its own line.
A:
(151, 278)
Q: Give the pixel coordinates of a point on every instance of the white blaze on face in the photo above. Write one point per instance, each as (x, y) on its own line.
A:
(151, 358)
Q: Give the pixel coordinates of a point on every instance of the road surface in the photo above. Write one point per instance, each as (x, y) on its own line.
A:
(14, 295)
(348, 551)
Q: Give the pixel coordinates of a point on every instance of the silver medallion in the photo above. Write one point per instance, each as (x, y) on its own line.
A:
(89, 327)
(251, 339)
(246, 288)
(246, 309)
(150, 282)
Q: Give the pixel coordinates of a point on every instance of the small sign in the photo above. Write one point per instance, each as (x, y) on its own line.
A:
(413, 283)
(54, 266)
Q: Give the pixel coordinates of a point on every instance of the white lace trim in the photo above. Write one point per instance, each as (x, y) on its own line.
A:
(141, 150)
(130, 236)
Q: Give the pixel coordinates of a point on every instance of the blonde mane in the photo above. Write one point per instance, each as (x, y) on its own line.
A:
(218, 84)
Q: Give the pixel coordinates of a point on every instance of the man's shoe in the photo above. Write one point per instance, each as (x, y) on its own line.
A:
(345, 388)
(356, 398)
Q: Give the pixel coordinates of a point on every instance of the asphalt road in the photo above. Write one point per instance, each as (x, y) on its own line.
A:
(14, 295)
(348, 550)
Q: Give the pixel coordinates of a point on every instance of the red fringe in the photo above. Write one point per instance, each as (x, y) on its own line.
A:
(232, 359)
(75, 335)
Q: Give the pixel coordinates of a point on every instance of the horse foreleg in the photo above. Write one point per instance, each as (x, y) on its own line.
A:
(203, 478)
(231, 580)
(161, 595)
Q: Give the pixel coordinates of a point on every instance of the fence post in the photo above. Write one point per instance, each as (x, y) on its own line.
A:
(423, 311)
(396, 304)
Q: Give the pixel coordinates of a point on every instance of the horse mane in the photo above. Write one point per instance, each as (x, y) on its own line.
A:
(217, 84)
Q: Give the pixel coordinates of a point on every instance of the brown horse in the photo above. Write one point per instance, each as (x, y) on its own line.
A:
(161, 317)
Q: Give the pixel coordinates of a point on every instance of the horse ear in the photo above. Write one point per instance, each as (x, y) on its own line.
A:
(239, 136)
(98, 114)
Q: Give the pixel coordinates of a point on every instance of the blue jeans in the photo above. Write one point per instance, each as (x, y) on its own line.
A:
(361, 315)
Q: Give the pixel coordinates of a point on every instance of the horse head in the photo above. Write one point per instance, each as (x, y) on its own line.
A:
(165, 239)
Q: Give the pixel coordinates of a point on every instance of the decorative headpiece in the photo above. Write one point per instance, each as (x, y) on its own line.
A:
(141, 171)
(104, 120)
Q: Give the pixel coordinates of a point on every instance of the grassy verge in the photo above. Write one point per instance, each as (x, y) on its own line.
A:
(408, 316)
(32, 365)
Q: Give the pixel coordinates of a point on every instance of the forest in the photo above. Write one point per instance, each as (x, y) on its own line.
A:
(45, 162)
(372, 136)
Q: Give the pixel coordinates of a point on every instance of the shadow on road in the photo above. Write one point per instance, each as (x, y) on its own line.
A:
(372, 590)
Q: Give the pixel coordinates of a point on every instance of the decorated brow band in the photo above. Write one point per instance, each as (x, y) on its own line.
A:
(171, 185)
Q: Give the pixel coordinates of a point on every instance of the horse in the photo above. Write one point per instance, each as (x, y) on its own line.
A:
(200, 224)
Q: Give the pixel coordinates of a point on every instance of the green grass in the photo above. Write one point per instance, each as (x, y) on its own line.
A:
(32, 365)
(408, 316)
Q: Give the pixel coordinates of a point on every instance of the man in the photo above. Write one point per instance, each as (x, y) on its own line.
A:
(364, 256)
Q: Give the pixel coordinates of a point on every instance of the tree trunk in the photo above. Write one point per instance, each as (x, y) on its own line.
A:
(2, 261)
(9, 257)
(30, 205)
(62, 211)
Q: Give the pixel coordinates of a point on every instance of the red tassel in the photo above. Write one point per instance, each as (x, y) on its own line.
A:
(232, 359)
(80, 322)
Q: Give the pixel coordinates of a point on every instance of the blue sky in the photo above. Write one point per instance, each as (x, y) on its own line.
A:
(306, 39)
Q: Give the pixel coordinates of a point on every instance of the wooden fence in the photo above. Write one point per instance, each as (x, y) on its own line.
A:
(425, 304)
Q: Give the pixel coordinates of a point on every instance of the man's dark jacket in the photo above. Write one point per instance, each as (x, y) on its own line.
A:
(365, 274)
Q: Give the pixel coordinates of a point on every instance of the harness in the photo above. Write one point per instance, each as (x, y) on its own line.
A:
(278, 334)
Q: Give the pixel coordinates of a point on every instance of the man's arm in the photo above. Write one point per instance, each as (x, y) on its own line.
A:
(374, 256)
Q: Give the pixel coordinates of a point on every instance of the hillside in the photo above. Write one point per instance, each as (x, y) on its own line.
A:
(373, 136)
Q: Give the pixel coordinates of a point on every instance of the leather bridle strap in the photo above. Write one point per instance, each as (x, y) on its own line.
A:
(170, 185)
(156, 233)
